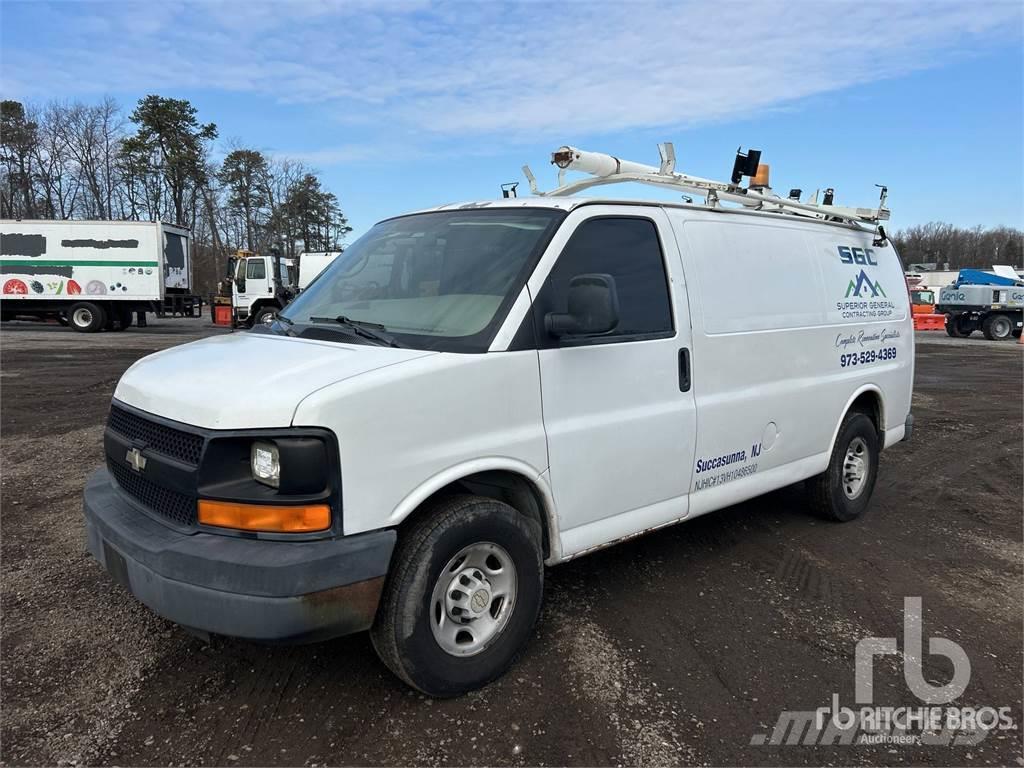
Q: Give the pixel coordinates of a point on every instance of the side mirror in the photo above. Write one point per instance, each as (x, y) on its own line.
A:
(593, 308)
(240, 284)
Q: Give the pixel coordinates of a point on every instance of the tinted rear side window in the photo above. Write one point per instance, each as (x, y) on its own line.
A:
(628, 249)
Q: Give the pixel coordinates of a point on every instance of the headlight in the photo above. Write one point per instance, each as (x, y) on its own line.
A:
(266, 464)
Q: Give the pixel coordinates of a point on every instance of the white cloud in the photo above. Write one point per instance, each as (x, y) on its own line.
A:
(328, 156)
(501, 70)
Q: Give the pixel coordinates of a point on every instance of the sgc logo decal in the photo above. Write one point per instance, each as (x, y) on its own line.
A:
(849, 255)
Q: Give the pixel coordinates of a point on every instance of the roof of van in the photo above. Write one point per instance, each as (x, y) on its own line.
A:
(570, 203)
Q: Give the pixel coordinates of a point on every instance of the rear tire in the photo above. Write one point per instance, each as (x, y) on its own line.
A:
(122, 319)
(965, 326)
(86, 317)
(843, 491)
(997, 327)
(951, 329)
(462, 597)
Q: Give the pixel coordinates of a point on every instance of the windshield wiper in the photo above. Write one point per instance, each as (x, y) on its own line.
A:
(372, 331)
(285, 321)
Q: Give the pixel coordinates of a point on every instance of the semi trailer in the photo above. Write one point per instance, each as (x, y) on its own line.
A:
(94, 275)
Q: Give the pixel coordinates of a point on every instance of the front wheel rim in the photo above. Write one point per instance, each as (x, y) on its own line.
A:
(82, 317)
(855, 468)
(473, 599)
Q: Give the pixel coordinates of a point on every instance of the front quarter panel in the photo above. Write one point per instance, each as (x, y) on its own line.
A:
(406, 430)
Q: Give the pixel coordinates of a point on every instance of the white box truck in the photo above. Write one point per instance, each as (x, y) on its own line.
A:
(312, 264)
(476, 391)
(94, 275)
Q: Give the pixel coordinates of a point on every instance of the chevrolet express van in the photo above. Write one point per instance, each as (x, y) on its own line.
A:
(469, 394)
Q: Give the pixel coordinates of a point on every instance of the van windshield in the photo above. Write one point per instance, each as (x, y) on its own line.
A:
(440, 280)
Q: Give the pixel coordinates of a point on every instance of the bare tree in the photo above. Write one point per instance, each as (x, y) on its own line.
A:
(92, 136)
(55, 174)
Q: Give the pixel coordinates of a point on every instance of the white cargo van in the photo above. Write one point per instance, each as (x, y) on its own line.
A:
(473, 392)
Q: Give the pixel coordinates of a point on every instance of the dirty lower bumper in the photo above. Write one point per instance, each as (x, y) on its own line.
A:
(256, 589)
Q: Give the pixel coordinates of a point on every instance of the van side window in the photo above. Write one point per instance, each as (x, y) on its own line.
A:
(257, 269)
(628, 249)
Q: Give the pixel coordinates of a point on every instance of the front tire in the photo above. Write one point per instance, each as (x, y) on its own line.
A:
(843, 491)
(86, 317)
(463, 595)
(263, 315)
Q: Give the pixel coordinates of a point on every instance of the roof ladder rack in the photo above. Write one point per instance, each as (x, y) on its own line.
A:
(605, 169)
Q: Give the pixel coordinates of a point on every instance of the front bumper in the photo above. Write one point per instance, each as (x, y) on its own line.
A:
(272, 591)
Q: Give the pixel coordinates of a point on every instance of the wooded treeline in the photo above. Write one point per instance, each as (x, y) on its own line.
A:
(71, 160)
(943, 244)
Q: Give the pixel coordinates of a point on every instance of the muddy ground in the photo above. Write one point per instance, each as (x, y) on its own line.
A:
(676, 648)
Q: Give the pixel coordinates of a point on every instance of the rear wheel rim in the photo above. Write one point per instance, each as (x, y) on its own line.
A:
(82, 317)
(473, 599)
(1001, 326)
(855, 468)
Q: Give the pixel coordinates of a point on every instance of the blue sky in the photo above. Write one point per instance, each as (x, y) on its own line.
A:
(402, 105)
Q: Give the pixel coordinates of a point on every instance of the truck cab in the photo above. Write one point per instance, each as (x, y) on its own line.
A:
(922, 301)
(260, 286)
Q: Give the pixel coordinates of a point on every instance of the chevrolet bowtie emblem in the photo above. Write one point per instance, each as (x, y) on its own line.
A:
(135, 458)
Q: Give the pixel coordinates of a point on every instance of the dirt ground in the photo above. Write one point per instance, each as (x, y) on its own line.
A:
(675, 648)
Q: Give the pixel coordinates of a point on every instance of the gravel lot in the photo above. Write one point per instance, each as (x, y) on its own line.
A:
(675, 648)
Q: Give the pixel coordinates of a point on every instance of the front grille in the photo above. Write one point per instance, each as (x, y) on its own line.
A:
(176, 507)
(171, 442)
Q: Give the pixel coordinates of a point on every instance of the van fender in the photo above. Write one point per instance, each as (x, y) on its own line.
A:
(538, 480)
(874, 389)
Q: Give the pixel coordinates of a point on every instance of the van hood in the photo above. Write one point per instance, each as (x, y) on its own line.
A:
(246, 380)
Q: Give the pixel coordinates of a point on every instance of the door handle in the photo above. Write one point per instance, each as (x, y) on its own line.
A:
(684, 370)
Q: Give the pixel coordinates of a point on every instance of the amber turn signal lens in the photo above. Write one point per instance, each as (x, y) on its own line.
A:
(265, 517)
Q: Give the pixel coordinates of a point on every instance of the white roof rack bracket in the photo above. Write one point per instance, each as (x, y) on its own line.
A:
(532, 181)
(605, 169)
(668, 158)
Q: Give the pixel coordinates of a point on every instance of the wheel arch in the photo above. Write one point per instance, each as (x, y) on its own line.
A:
(507, 480)
(259, 304)
(868, 400)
